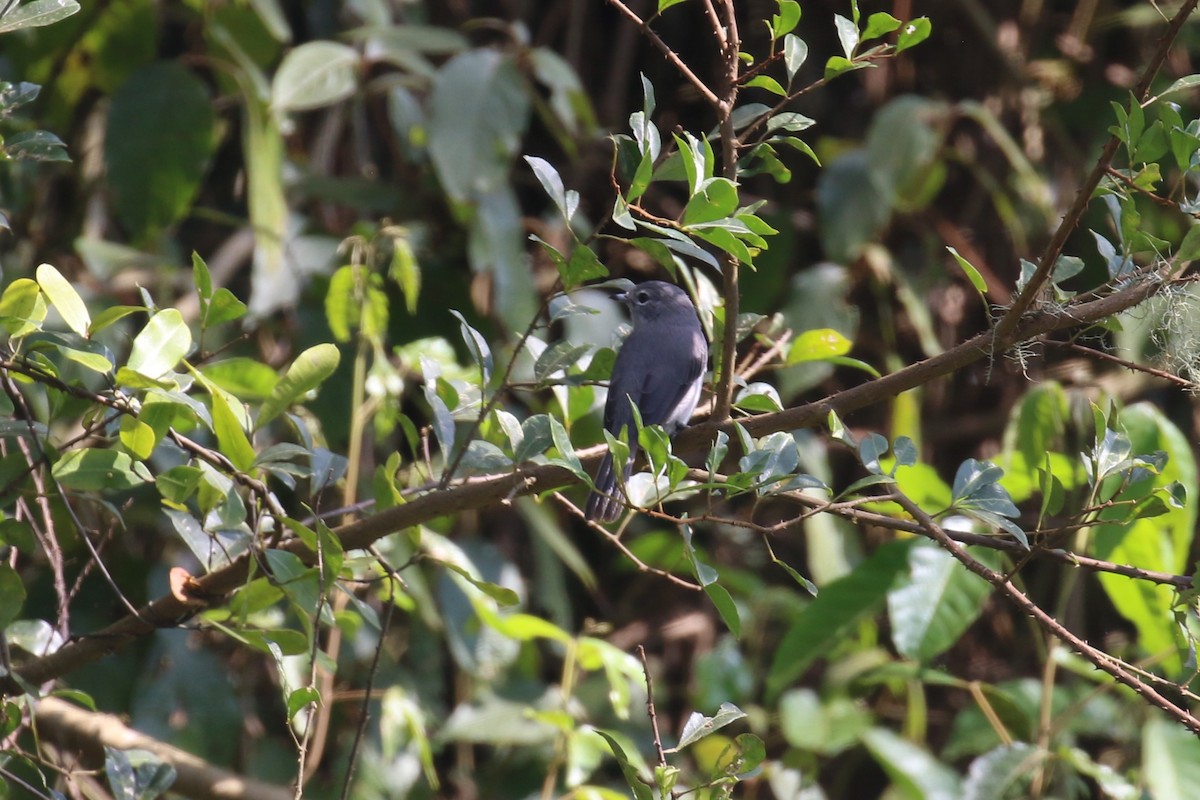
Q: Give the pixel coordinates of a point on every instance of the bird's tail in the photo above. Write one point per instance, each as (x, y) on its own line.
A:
(604, 504)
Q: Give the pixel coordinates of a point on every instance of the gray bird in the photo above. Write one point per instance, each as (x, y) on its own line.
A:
(660, 368)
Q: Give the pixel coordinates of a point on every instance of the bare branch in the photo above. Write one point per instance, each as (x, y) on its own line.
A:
(668, 53)
(77, 730)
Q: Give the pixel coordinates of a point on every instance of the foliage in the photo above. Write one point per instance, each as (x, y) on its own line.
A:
(326, 482)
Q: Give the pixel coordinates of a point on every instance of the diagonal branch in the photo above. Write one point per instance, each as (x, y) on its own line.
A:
(79, 731)
(668, 53)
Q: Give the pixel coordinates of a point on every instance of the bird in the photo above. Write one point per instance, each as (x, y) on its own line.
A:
(660, 369)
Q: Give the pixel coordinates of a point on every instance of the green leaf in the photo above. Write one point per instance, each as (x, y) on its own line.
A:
(566, 453)
(22, 307)
(582, 267)
(634, 781)
(12, 595)
(1170, 759)
(913, 771)
(879, 24)
(768, 83)
(64, 298)
(92, 470)
(231, 437)
(178, 484)
(566, 201)
(717, 199)
(818, 345)
(245, 378)
(223, 308)
(835, 610)
(935, 604)
(110, 315)
(698, 726)
(154, 168)
(315, 74)
(301, 698)
(307, 372)
(913, 33)
(164, 341)
(786, 20)
(795, 53)
(37, 14)
(663, 5)
(972, 273)
(992, 774)
(478, 112)
(847, 33)
(1189, 248)
(478, 347)
(137, 437)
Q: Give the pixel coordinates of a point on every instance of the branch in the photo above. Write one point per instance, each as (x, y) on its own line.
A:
(859, 516)
(1012, 317)
(731, 44)
(668, 54)
(77, 730)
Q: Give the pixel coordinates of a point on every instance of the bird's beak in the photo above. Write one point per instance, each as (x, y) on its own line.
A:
(622, 297)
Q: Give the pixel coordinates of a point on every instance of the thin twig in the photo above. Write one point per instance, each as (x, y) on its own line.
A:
(658, 748)
(668, 53)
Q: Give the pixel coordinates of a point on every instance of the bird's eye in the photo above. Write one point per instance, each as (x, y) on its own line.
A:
(643, 297)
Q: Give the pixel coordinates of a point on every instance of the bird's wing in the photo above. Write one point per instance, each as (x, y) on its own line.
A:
(659, 383)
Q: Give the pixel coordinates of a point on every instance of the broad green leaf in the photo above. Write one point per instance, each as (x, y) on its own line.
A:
(36, 14)
(110, 315)
(231, 437)
(826, 726)
(137, 437)
(971, 272)
(478, 112)
(913, 33)
(698, 726)
(795, 53)
(768, 83)
(992, 774)
(935, 604)
(315, 74)
(154, 169)
(92, 470)
(1170, 759)
(306, 373)
(632, 779)
(717, 199)
(878, 24)
(839, 606)
(818, 345)
(913, 771)
(64, 298)
(244, 378)
(159, 347)
(786, 20)
(847, 33)
(22, 307)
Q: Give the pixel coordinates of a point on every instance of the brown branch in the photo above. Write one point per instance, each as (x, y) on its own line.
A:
(658, 748)
(1097, 657)
(849, 511)
(723, 391)
(668, 53)
(1008, 323)
(77, 731)
(1133, 366)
